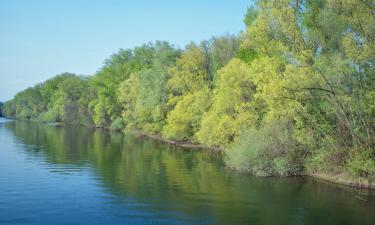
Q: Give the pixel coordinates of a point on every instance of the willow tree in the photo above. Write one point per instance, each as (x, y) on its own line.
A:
(144, 95)
(312, 63)
(188, 76)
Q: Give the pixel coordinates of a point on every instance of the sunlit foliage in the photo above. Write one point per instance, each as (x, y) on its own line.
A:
(293, 93)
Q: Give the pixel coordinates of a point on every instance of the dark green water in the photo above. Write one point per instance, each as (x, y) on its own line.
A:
(64, 175)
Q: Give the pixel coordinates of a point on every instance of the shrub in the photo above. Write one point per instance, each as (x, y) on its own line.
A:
(49, 116)
(117, 124)
(362, 163)
(270, 150)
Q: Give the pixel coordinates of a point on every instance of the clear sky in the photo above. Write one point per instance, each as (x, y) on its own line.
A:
(42, 38)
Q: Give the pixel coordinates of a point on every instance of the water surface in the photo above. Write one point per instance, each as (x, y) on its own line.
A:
(66, 175)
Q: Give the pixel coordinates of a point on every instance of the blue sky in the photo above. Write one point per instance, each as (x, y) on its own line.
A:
(42, 38)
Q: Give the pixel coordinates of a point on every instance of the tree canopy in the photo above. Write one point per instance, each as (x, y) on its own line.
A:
(294, 92)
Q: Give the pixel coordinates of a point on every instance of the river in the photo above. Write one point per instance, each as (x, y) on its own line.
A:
(74, 175)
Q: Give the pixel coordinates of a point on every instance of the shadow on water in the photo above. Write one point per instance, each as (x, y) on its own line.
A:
(188, 186)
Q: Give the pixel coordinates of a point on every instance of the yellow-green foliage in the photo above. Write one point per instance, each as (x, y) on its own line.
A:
(296, 91)
(185, 119)
(319, 76)
(143, 97)
(234, 105)
(189, 95)
(188, 75)
(267, 150)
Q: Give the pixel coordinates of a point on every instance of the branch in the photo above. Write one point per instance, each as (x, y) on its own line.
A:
(311, 89)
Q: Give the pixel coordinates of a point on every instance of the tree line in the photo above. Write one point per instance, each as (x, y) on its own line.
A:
(294, 92)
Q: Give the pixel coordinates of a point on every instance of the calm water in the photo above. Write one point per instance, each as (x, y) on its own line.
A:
(57, 175)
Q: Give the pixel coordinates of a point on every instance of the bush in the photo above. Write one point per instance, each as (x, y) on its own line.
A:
(247, 154)
(271, 150)
(362, 163)
(49, 116)
(117, 124)
(326, 159)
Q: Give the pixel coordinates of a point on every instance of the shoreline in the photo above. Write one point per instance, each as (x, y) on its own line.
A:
(187, 145)
(337, 179)
(345, 179)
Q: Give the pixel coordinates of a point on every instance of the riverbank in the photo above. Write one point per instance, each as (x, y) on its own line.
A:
(345, 179)
(187, 145)
(125, 176)
(339, 179)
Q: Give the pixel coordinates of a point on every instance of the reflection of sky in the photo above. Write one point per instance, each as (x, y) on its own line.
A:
(41, 38)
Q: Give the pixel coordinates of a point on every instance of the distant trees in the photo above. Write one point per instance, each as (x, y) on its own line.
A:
(293, 93)
(1, 109)
(62, 98)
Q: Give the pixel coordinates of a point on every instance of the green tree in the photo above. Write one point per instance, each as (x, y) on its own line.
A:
(185, 119)
(116, 69)
(188, 88)
(234, 106)
(144, 95)
(318, 76)
(70, 103)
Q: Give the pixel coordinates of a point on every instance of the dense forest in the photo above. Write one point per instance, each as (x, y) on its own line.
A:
(293, 93)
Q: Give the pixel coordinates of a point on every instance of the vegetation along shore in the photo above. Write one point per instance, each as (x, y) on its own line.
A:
(293, 94)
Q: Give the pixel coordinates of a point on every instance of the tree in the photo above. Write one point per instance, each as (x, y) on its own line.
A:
(223, 49)
(188, 83)
(106, 82)
(185, 119)
(144, 95)
(294, 92)
(1, 109)
(189, 74)
(234, 106)
(318, 76)
(70, 102)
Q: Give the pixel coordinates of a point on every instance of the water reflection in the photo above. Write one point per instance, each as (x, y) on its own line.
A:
(171, 185)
